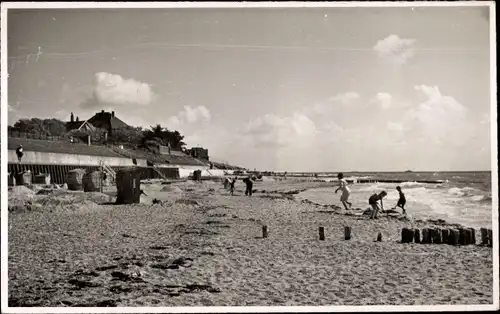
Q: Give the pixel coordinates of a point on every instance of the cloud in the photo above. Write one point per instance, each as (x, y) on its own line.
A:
(271, 129)
(395, 49)
(394, 126)
(11, 108)
(440, 118)
(345, 98)
(112, 89)
(189, 115)
(384, 100)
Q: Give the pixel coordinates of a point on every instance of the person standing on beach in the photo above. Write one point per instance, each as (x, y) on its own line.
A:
(231, 186)
(249, 186)
(402, 200)
(373, 201)
(346, 192)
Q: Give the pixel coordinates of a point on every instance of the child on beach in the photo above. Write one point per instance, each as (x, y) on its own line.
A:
(402, 200)
(373, 201)
(346, 192)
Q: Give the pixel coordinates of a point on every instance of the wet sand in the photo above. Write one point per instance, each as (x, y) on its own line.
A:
(203, 247)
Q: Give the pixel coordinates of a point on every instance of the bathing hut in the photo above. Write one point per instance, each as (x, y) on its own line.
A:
(24, 178)
(42, 178)
(74, 179)
(128, 186)
(92, 181)
(197, 175)
(11, 179)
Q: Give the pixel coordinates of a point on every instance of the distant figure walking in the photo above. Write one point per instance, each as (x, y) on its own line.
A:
(373, 201)
(346, 192)
(20, 153)
(231, 187)
(249, 186)
(402, 200)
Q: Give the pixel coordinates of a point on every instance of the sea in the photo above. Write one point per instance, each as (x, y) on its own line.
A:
(456, 197)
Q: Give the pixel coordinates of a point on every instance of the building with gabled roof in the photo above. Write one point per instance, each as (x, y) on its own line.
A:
(103, 120)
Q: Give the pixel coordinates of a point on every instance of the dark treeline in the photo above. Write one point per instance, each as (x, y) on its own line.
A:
(132, 137)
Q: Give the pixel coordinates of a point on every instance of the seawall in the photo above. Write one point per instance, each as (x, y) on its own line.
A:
(44, 158)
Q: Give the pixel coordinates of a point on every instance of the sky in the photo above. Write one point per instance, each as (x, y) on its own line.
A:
(282, 89)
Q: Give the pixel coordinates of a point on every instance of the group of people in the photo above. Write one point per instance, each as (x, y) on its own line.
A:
(372, 200)
(230, 183)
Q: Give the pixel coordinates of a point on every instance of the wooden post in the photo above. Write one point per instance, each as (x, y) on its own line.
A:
(468, 236)
(264, 232)
(407, 235)
(101, 173)
(490, 238)
(462, 237)
(347, 233)
(453, 237)
(379, 237)
(436, 236)
(417, 236)
(484, 236)
(426, 236)
(322, 233)
(473, 236)
(444, 235)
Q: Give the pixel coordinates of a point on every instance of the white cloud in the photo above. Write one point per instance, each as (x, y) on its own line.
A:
(115, 90)
(396, 49)
(272, 129)
(384, 100)
(189, 115)
(440, 118)
(345, 98)
(394, 126)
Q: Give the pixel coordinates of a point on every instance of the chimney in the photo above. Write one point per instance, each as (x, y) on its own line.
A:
(112, 114)
(102, 111)
(77, 119)
(88, 140)
(72, 119)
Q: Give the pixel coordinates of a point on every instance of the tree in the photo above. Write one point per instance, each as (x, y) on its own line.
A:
(49, 127)
(126, 136)
(162, 136)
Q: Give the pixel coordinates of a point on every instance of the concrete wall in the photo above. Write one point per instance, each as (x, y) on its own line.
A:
(31, 157)
(205, 172)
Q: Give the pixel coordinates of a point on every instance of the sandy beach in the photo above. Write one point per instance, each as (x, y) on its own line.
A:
(204, 247)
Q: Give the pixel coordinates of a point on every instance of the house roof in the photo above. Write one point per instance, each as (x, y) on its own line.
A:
(105, 118)
(79, 124)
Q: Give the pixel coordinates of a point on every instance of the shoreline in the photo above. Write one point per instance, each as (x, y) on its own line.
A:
(203, 247)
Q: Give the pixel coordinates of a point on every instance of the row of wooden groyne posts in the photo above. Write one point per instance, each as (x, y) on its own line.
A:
(19, 174)
(455, 237)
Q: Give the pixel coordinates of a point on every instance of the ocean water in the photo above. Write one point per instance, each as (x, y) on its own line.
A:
(464, 197)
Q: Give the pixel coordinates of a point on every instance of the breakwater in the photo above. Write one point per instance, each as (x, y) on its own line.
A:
(393, 181)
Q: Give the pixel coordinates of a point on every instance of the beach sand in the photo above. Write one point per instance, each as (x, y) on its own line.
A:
(203, 247)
